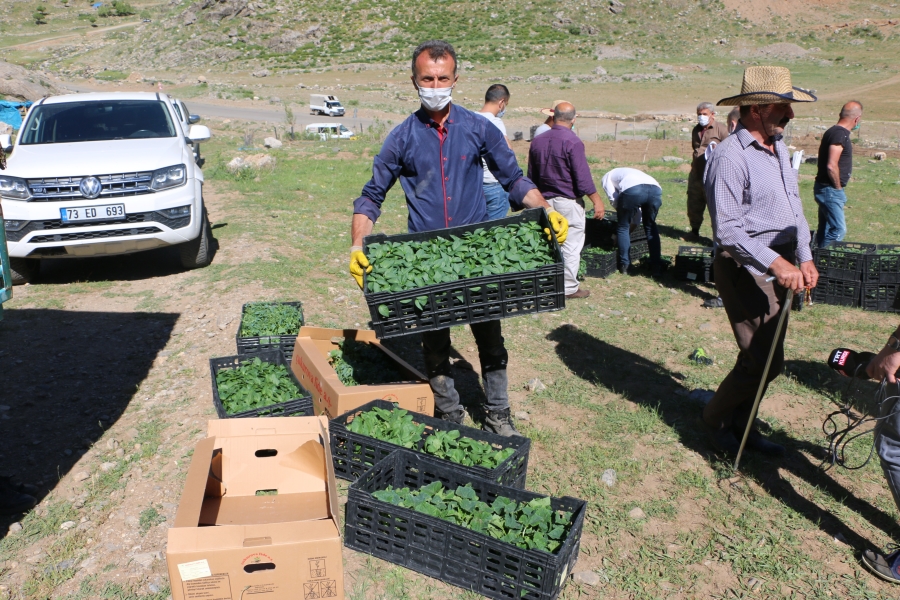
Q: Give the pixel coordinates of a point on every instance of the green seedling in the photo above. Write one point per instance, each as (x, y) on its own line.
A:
(452, 446)
(393, 426)
(530, 525)
(254, 384)
(270, 319)
(359, 363)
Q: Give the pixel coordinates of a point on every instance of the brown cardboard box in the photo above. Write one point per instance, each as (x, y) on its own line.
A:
(228, 543)
(333, 398)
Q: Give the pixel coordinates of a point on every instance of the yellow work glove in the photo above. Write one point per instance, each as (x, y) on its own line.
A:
(358, 264)
(560, 226)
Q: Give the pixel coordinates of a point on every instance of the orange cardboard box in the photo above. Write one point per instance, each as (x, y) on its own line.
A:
(333, 398)
(258, 514)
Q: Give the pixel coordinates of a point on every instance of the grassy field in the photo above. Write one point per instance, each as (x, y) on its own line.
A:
(617, 396)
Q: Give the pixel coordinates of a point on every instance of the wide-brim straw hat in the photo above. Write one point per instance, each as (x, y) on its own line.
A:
(767, 85)
(549, 111)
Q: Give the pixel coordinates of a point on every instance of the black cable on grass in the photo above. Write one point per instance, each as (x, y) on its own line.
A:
(839, 439)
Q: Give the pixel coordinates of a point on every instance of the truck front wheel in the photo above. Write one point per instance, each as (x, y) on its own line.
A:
(198, 252)
(23, 270)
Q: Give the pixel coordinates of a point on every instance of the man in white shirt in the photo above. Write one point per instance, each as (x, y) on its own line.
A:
(496, 99)
(632, 191)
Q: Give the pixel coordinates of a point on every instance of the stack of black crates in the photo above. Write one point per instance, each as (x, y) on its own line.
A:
(437, 547)
(859, 275)
(603, 234)
(694, 263)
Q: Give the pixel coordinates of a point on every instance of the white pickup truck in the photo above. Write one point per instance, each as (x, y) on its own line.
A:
(102, 174)
(320, 104)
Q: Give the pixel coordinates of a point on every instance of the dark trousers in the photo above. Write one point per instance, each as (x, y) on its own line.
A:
(753, 307)
(647, 199)
(696, 193)
(491, 353)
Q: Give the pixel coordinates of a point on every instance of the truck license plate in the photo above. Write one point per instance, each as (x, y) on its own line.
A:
(107, 212)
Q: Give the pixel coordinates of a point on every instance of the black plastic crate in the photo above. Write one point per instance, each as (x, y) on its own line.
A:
(837, 292)
(843, 260)
(472, 300)
(599, 265)
(883, 268)
(251, 346)
(297, 407)
(638, 250)
(694, 263)
(884, 297)
(354, 454)
(449, 552)
(603, 233)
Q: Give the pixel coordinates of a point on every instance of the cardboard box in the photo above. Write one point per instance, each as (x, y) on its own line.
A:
(333, 398)
(229, 543)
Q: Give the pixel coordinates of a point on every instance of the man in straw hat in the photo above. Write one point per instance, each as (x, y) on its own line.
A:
(548, 122)
(759, 229)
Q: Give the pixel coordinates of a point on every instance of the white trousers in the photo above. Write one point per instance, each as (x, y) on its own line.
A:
(573, 211)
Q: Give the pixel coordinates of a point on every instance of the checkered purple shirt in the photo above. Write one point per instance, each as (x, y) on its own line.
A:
(754, 201)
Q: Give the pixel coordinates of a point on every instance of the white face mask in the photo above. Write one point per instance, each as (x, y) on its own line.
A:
(703, 120)
(435, 99)
(501, 113)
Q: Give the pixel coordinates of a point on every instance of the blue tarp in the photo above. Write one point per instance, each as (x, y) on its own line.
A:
(9, 112)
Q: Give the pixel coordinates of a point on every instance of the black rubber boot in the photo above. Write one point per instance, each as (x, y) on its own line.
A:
(446, 398)
(500, 422)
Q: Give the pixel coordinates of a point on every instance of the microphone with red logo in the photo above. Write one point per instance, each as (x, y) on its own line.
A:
(850, 363)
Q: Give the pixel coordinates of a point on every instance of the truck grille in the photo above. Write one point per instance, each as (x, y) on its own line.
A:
(54, 189)
(92, 235)
(54, 224)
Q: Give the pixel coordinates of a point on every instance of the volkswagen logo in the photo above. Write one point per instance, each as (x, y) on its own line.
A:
(90, 187)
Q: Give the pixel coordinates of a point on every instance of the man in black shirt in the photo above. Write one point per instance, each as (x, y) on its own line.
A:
(835, 165)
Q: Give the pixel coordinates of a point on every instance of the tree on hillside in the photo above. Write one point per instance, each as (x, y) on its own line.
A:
(40, 15)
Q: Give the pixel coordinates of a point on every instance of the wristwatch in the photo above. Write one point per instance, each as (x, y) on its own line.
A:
(893, 343)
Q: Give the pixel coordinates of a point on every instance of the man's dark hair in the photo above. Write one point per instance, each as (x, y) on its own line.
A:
(563, 116)
(496, 93)
(436, 49)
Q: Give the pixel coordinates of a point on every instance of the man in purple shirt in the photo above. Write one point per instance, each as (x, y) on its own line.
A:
(558, 166)
(437, 154)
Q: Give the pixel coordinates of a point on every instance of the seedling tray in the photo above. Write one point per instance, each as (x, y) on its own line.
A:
(354, 454)
(603, 233)
(884, 265)
(253, 345)
(694, 263)
(837, 292)
(638, 250)
(599, 265)
(449, 552)
(883, 297)
(473, 300)
(297, 407)
(843, 260)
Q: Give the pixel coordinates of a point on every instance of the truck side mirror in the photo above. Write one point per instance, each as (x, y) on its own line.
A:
(199, 133)
(6, 142)
(193, 119)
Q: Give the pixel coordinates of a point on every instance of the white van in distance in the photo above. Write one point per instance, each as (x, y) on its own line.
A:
(334, 131)
(320, 104)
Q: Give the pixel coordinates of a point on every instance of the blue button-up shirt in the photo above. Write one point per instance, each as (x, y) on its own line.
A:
(441, 172)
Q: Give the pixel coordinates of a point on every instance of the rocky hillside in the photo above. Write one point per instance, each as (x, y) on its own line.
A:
(280, 35)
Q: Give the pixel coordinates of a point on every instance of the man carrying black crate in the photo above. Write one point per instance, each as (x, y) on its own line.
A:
(759, 229)
(437, 154)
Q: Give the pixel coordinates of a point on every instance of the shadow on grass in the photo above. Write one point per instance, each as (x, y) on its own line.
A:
(149, 264)
(67, 377)
(645, 382)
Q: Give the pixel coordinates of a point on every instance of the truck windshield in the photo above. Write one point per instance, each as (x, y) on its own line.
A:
(334, 104)
(97, 120)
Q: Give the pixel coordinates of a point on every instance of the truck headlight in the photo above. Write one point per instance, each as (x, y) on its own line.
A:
(14, 225)
(178, 211)
(169, 177)
(14, 188)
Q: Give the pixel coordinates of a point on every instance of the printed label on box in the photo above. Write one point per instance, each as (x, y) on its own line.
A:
(214, 587)
(316, 568)
(326, 588)
(194, 570)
